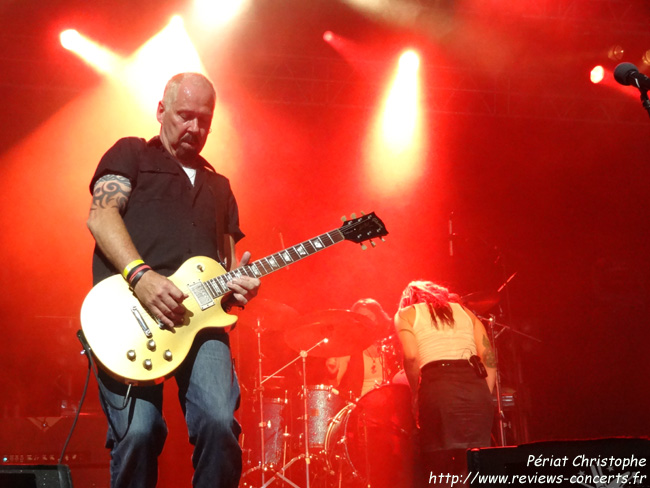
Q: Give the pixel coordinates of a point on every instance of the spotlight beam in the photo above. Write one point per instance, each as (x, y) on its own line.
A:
(100, 58)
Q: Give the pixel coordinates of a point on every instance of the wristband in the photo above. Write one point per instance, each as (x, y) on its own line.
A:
(136, 277)
(130, 266)
(135, 271)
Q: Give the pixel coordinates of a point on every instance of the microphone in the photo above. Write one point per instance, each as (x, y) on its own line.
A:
(628, 74)
(451, 236)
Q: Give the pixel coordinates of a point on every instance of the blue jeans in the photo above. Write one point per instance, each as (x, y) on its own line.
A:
(209, 396)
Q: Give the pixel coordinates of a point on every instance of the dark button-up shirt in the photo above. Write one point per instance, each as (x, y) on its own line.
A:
(168, 218)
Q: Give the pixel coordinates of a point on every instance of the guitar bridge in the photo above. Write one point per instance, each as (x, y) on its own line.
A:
(141, 322)
(201, 295)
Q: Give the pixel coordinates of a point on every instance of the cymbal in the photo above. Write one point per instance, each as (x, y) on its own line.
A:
(347, 332)
(481, 301)
(268, 315)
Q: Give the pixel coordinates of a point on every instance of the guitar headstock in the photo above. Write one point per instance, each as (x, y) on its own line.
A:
(363, 228)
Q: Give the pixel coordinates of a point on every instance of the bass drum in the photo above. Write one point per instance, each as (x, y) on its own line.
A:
(372, 443)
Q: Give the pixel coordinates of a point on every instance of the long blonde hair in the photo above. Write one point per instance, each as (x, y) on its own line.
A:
(435, 296)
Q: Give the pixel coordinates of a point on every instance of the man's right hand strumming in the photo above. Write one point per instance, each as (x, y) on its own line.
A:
(163, 299)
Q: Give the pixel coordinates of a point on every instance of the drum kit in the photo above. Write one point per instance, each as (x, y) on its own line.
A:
(299, 431)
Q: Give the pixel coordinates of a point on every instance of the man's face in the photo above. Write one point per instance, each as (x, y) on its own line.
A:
(185, 122)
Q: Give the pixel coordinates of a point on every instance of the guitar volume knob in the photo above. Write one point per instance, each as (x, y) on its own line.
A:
(130, 355)
(147, 364)
(151, 345)
(168, 355)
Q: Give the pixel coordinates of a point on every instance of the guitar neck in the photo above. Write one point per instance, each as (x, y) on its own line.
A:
(262, 267)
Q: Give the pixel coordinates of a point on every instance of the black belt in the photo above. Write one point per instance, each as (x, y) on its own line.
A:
(446, 363)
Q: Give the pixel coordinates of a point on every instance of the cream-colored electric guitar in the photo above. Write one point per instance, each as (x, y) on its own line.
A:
(137, 349)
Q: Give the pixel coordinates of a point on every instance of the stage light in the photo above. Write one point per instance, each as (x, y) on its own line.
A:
(597, 74)
(92, 53)
(616, 52)
(70, 39)
(396, 147)
(347, 48)
(402, 104)
(646, 58)
(409, 62)
(214, 13)
(167, 53)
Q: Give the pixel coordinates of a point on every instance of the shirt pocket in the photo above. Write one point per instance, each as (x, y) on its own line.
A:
(158, 183)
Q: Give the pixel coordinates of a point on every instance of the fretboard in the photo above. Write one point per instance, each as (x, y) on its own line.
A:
(218, 286)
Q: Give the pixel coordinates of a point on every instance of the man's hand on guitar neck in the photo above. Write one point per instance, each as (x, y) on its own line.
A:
(243, 288)
(161, 297)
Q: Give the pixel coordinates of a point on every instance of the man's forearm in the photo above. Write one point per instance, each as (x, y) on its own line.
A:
(112, 238)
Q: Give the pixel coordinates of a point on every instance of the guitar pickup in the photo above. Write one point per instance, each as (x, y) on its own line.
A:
(201, 295)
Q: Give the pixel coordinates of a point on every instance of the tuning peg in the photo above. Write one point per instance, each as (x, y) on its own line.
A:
(363, 213)
(373, 244)
(354, 216)
(382, 239)
(343, 218)
(364, 247)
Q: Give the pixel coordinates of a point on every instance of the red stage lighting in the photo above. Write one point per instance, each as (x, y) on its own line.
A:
(328, 36)
(92, 53)
(215, 13)
(397, 147)
(70, 39)
(616, 52)
(597, 74)
(646, 58)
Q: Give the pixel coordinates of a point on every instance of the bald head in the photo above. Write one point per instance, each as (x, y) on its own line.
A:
(196, 80)
(185, 115)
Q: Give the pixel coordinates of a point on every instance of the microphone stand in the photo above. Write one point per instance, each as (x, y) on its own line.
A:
(644, 100)
(261, 401)
(491, 322)
(491, 319)
(497, 383)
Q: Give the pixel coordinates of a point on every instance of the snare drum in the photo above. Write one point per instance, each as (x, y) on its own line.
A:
(373, 441)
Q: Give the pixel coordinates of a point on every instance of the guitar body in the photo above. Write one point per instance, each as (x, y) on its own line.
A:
(129, 342)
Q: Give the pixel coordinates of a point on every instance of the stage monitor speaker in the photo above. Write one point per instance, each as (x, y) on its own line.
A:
(35, 476)
(611, 462)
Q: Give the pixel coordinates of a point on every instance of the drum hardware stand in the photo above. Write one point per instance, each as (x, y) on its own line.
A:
(260, 391)
(340, 481)
(364, 419)
(386, 348)
(491, 321)
(285, 442)
(280, 473)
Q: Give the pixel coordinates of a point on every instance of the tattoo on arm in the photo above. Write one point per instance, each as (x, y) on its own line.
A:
(111, 191)
(490, 360)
